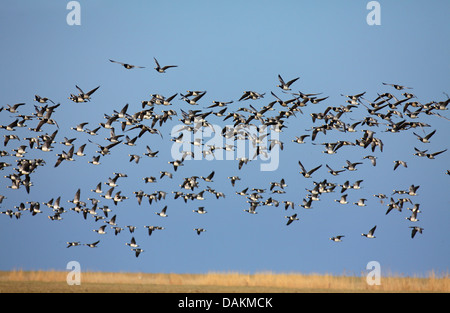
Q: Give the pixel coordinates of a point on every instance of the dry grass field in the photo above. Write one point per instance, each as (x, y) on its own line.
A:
(19, 281)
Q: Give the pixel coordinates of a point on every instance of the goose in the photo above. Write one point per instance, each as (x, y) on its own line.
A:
(426, 138)
(105, 150)
(80, 151)
(351, 166)
(10, 137)
(76, 98)
(164, 173)
(137, 251)
(251, 95)
(199, 230)
(343, 199)
(176, 164)
(123, 112)
(300, 139)
(118, 197)
(287, 204)
(101, 230)
(415, 229)
(79, 127)
(357, 184)
(95, 160)
(307, 203)
(163, 212)
(252, 209)
(92, 245)
(92, 132)
(398, 163)
(131, 228)
(13, 108)
(398, 87)
(361, 202)
(108, 195)
(73, 244)
(337, 238)
(163, 69)
(412, 190)
(117, 229)
(243, 192)
(200, 210)
(415, 208)
(233, 179)
(152, 228)
(371, 232)
(309, 173)
(286, 86)
(280, 184)
(150, 153)
(413, 217)
(135, 158)
(130, 141)
(112, 221)
(42, 99)
(87, 95)
(219, 104)
(76, 198)
(139, 195)
(291, 218)
(11, 126)
(132, 243)
(126, 65)
(373, 159)
(209, 177)
(432, 155)
(150, 179)
(333, 172)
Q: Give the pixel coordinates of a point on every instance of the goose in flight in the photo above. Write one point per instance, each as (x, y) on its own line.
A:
(137, 251)
(199, 230)
(337, 238)
(333, 172)
(73, 244)
(101, 230)
(42, 99)
(415, 229)
(233, 179)
(163, 69)
(86, 96)
(13, 108)
(286, 86)
(398, 87)
(371, 232)
(426, 138)
(432, 155)
(291, 218)
(163, 212)
(307, 174)
(200, 210)
(92, 245)
(397, 163)
(343, 199)
(413, 217)
(300, 139)
(351, 166)
(361, 202)
(126, 65)
(132, 243)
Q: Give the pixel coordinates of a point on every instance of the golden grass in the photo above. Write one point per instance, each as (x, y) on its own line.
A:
(54, 281)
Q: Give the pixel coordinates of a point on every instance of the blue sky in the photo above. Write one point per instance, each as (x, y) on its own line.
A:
(227, 48)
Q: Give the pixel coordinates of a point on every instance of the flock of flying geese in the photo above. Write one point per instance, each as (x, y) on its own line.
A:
(398, 113)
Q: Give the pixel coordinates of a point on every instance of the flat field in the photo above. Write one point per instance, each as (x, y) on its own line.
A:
(19, 281)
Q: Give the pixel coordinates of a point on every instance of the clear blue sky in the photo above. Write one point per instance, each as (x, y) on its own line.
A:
(227, 48)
